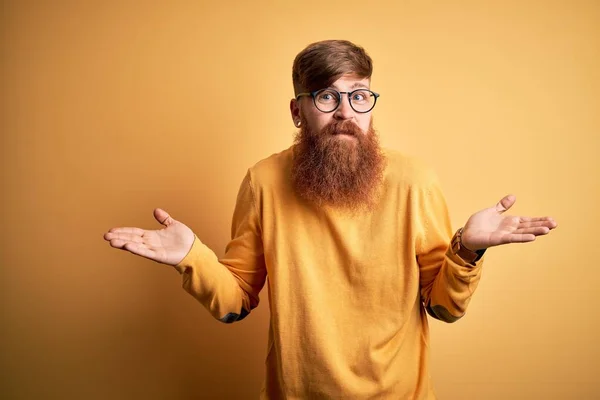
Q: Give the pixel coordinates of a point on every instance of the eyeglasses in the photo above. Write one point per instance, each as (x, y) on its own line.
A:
(328, 100)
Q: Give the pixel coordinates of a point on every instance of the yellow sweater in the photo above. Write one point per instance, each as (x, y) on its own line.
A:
(348, 295)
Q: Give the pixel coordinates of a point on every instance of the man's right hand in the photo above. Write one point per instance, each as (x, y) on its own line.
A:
(168, 245)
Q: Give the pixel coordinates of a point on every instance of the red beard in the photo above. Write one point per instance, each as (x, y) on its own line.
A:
(344, 172)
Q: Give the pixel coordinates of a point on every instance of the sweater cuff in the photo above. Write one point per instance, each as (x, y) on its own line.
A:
(197, 252)
(463, 267)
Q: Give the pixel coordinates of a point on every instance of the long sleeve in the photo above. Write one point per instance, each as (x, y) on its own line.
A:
(229, 287)
(344, 289)
(447, 281)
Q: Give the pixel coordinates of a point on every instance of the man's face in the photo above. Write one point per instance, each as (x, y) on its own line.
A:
(304, 108)
(337, 158)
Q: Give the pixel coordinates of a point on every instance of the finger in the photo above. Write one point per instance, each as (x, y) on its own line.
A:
(547, 222)
(534, 224)
(520, 238)
(534, 219)
(163, 217)
(537, 231)
(128, 237)
(544, 221)
(118, 243)
(505, 203)
(135, 231)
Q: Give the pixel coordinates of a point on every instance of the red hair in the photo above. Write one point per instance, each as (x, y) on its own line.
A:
(322, 63)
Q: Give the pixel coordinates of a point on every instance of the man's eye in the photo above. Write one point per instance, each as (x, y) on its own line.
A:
(361, 96)
(326, 97)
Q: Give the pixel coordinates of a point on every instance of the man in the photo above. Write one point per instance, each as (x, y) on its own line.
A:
(356, 242)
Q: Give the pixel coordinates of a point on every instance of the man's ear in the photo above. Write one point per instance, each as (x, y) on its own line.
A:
(295, 111)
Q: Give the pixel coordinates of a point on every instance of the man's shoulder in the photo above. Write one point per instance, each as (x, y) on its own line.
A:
(407, 170)
(273, 168)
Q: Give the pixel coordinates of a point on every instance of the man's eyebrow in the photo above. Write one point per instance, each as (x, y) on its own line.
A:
(358, 84)
(355, 85)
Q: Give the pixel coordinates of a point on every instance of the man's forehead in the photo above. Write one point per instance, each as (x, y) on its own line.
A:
(351, 82)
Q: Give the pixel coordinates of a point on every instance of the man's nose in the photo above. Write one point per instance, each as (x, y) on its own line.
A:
(344, 110)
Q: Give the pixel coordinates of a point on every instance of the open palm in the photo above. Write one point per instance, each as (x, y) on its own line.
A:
(490, 227)
(168, 245)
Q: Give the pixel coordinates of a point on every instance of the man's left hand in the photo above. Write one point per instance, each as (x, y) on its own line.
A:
(489, 227)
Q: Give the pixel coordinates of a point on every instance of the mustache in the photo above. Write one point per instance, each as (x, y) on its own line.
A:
(342, 128)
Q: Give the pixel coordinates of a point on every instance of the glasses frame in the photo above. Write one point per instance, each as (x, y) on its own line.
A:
(339, 98)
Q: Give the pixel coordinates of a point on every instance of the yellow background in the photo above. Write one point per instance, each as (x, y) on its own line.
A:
(110, 109)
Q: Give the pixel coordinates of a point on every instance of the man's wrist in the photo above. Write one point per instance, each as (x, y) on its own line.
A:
(464, 252)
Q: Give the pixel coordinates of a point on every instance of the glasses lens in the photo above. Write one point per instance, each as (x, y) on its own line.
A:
(362, 100)
(327, 100)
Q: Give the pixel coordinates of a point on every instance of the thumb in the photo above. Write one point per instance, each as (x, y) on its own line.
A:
(163, 217)
(505, 203)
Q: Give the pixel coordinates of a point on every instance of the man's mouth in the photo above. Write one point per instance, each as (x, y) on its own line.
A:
(345, 135)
